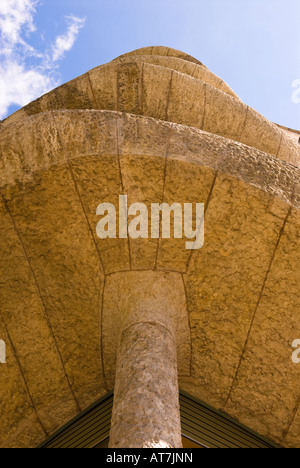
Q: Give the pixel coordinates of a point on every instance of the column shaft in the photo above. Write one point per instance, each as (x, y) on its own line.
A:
(146, 399)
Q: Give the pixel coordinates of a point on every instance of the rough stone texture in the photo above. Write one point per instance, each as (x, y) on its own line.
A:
(161, 92)
(183, 66)
(172, 253)
(187, 98)
(270, 135)
(238, 297)
(267, 355)
(28, 327)
(230, 119)
(58, 261)
(241, 236)
(20, 424)
(146, 400)
(163, 52)
(123, 294)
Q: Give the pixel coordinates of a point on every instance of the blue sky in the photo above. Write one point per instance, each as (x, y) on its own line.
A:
(254, 45)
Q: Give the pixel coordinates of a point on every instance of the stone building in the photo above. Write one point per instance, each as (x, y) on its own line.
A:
(82, 317)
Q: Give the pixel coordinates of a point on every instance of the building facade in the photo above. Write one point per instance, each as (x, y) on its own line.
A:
(146, 318)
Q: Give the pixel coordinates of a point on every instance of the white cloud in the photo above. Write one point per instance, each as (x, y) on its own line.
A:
(14, 15)
(27, 73)
(65, 42)
(19, 86)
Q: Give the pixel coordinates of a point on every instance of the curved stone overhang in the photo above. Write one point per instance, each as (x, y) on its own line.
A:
(162, 51)
(241, 288)
(146, 85)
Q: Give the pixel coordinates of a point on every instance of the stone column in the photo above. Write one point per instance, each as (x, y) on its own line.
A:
(146, 401)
